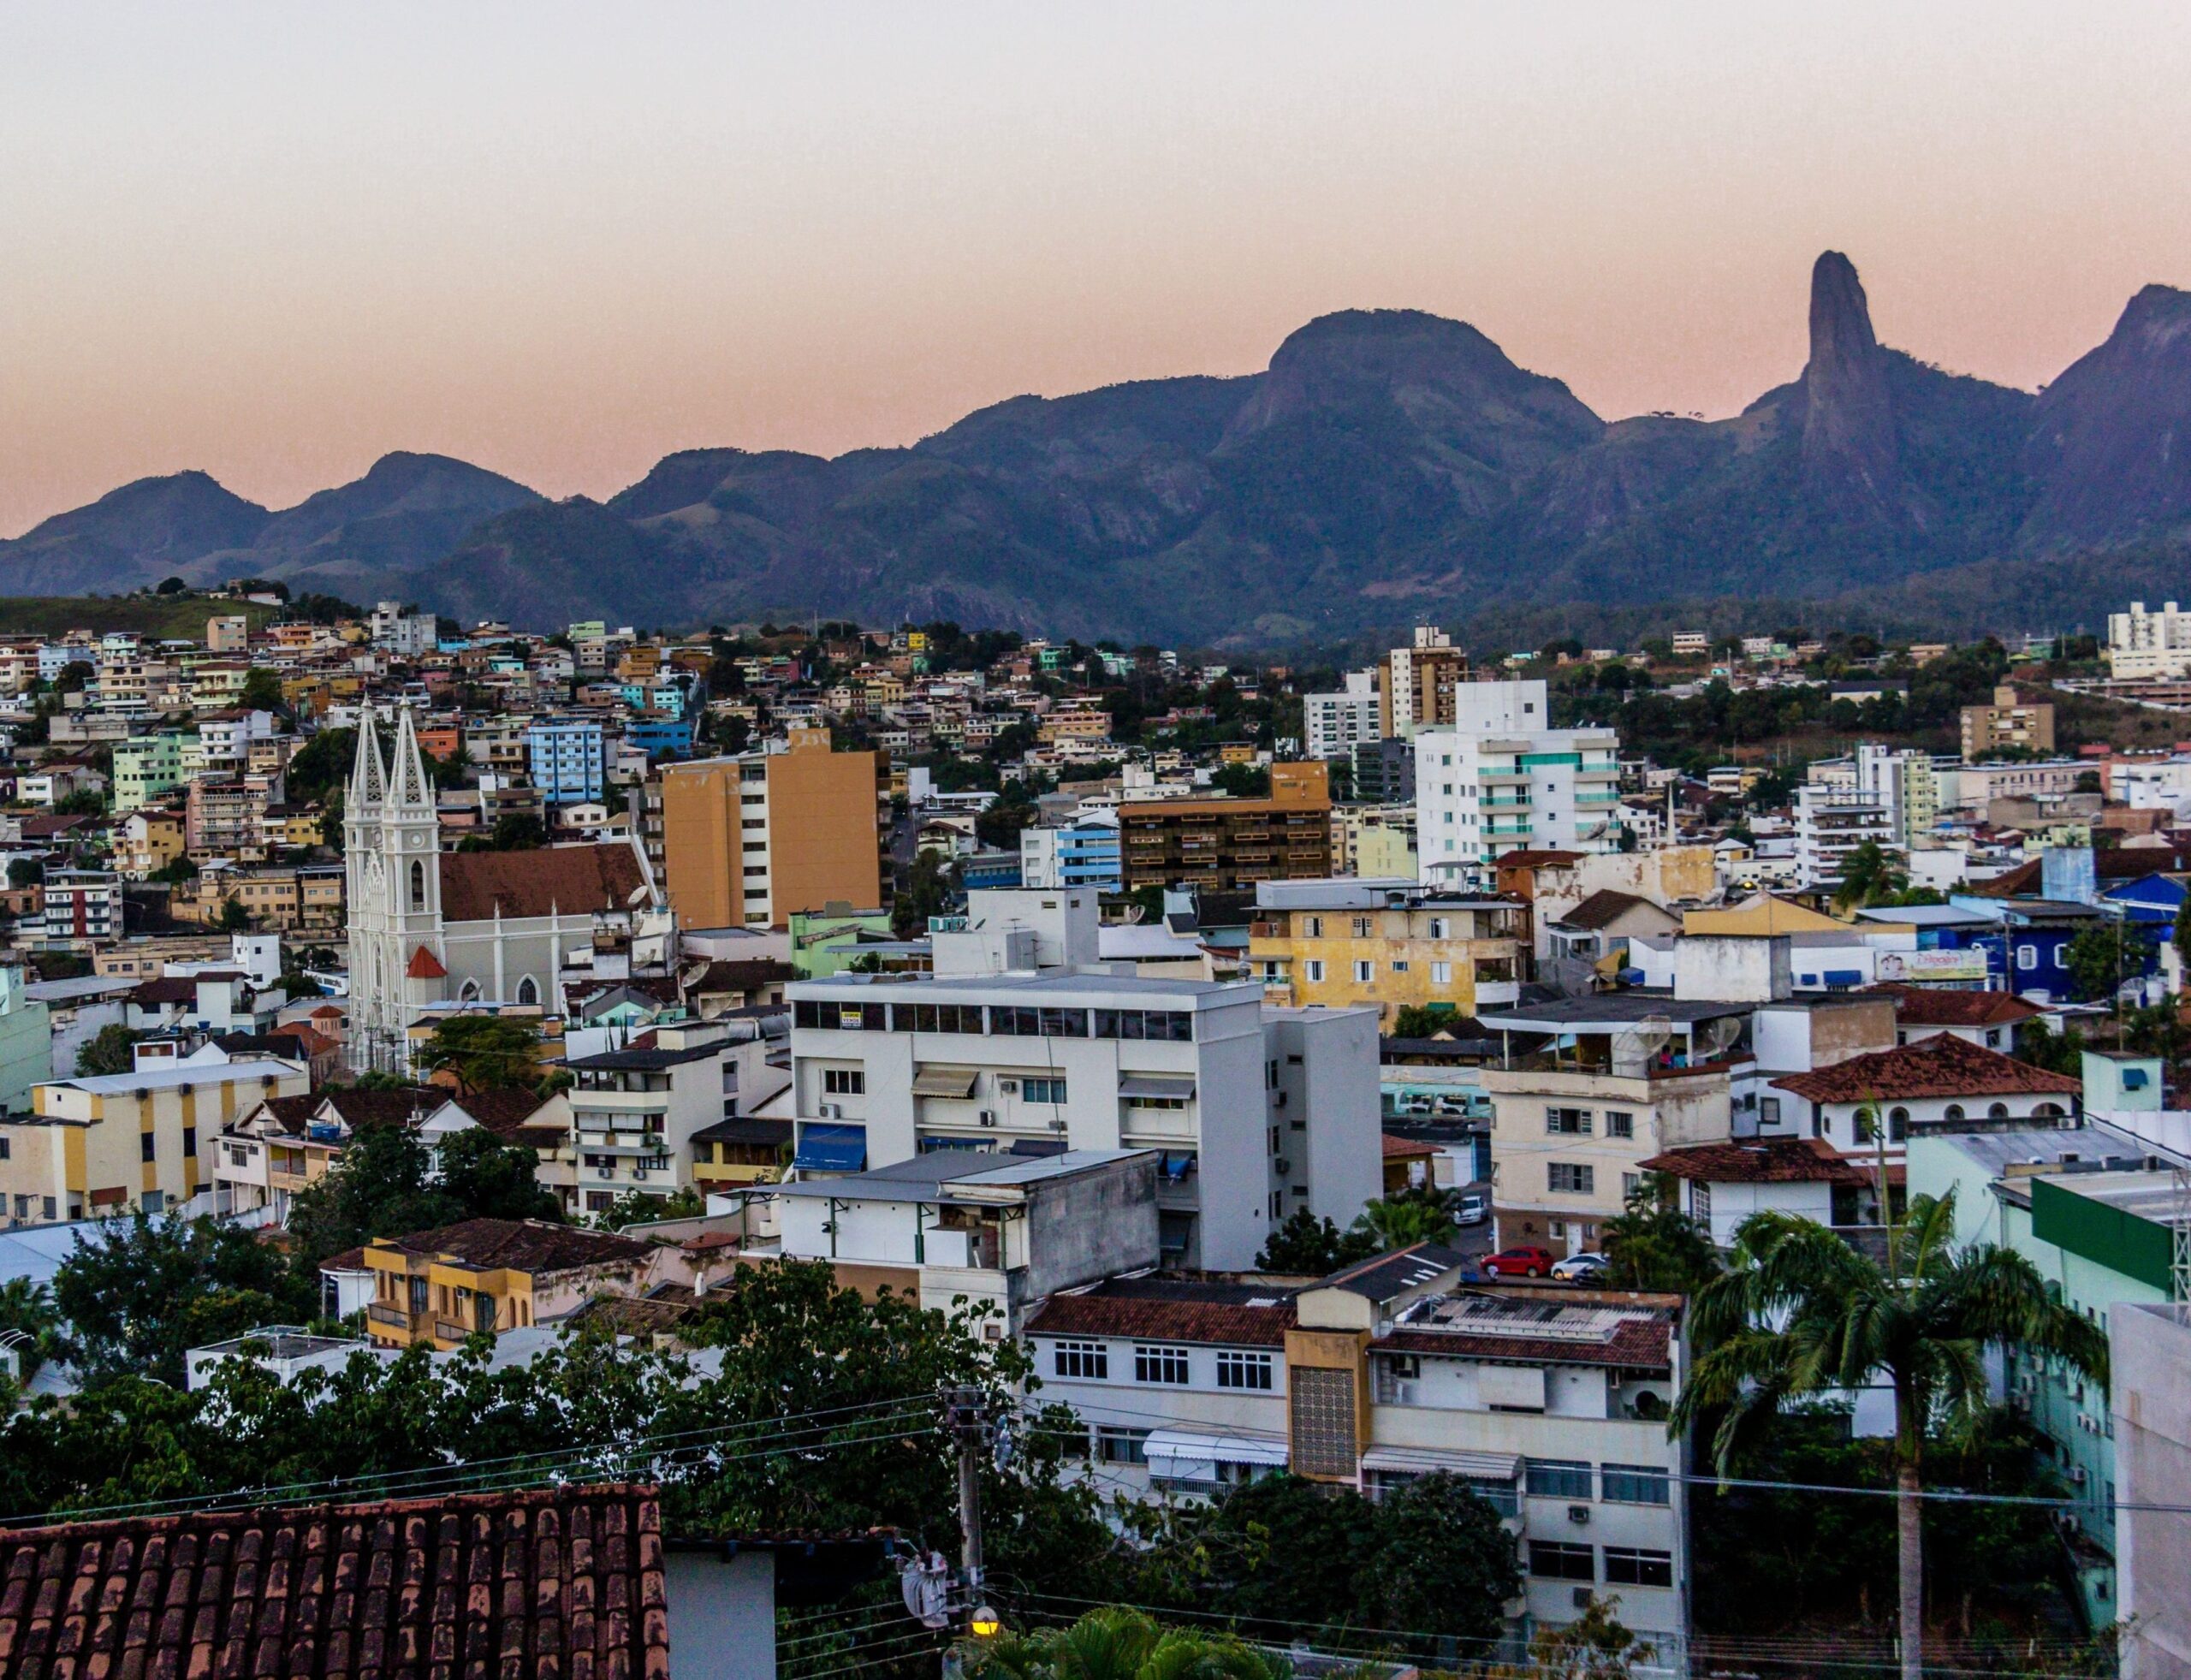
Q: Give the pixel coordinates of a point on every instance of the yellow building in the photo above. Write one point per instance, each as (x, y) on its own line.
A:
(493, 1275)
(109, 1143)
(147, 842)
(1341, 942)
(1767, 914)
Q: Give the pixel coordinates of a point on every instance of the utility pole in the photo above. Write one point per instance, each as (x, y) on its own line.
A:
(970, 1430)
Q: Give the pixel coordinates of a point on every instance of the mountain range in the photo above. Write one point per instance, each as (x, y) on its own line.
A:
(1388, 466)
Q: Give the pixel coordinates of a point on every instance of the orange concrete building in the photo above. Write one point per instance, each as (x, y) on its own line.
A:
(1226, 843)
(747, 842)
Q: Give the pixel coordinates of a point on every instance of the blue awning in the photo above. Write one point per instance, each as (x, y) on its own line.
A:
(829, 1148)
(1844, 976)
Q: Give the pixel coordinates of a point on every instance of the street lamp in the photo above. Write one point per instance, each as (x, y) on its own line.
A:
(984, 1623)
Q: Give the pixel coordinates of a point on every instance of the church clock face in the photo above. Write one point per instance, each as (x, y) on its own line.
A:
(415, 841)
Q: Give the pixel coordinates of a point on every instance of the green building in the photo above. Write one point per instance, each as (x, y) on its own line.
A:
(824, 941)
(146, 769)
(26, 1043)
(2094, 1210)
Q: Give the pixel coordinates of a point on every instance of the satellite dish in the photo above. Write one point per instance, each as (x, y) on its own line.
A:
(1633, 1049)
(1714, 1037)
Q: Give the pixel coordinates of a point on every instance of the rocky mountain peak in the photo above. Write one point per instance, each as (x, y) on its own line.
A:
(1849, 454)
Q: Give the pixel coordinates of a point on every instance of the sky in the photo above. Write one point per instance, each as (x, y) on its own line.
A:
(274, 241)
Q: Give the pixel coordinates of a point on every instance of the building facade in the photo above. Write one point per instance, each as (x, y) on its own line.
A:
(1225, 844)
(1387, 946)
(1499, 779)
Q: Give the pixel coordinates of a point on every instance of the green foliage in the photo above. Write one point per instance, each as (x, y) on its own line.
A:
(1307, 1247)
(1120, 1644)
(138, 1293)
(1651, 1245)
(1418, 1020)
(485, 1053)
(1870, 874)
(925, 890)
(262, 690)
(999, 827)
(25, 872)
(513, 831)
(1594, 1646)
(109, 1050)
(489, 1179)
(637, 1206)
(1242, 782)
(26, 1309)
(382, 1186)
(234, 917)
(1441, 1562)
(1404, 1219)
(321, 766)
(2101, 957)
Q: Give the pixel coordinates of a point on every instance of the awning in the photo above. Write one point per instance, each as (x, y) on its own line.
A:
(1844, 976)
(1168, 1447)
(1037, 1146)
(931, 1081)
(1156, 1084)
(1475, 1466)
(826, 1147)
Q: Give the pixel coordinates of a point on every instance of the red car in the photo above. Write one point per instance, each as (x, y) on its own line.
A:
(1519, 1263)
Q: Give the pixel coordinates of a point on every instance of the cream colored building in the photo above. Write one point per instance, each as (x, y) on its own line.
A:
(109, 1143)
(1386, 943)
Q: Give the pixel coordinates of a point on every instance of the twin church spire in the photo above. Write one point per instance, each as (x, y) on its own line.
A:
(398, 788)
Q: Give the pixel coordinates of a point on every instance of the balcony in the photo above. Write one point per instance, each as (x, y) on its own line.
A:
(395, 1318)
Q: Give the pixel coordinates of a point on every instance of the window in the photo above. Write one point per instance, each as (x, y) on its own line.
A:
(190, 1140)
(2027, 957)
(1442, 974)
(1043, 1090)
(1438, 928)
(528, 990)
(1954, 1112)
(1998, 1111)
(1081, 1359)
(1567, 1177)
(1364, 973)
(1313, 972)
(1244, 1370)
(1634, 1484)
(1362, 927)
(417, 884)
(1312, 927)
(844, 1081)
(1556, 1560)
(1122, 1446)
(1619, 1123)
(1699, 1202)
(1175, 1026)
(1399, 968)
(1567, 1122)
(1631, 1183)
(1768, 1111)
(1897, 1123)
(1160, 1364)
(1627, 1566)
(145, 1147)
(1559, 1479)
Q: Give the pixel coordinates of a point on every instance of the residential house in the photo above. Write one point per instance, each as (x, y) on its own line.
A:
(1387, 944)
(445, 1286)
(1869, 1103)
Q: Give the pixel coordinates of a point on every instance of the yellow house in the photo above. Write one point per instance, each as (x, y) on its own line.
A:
(1341, 942)
(148, 842)
(1765, 914)
(108, 1142)
(744, 1151)
(441, 1286)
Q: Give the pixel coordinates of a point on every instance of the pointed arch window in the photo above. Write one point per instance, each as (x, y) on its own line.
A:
(528, 990)
(417, 884)
(468, 992)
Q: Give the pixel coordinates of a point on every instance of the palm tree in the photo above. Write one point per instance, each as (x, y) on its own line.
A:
(1119, 1644)
(1801, 1313)
(1403, 1220)
(1869, 874)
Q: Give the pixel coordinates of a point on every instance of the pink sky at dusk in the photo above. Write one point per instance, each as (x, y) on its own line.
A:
(276, 241)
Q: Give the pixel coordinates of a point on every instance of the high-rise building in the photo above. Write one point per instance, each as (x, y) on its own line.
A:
(1226, 843)
(567, 759)
(1499, 779)
(747, 840)
(1416, 683)
(2142, 645)
(1332, 725)
(2007, 723)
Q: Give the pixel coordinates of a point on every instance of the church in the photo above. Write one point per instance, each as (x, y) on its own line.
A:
(430, 928)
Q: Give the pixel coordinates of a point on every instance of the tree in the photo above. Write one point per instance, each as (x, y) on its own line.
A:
(1443, 1563)
(492, 1180)
(26, 1310)
(234, 917)
(637, 1206)
(2101, 957)
(1115, 1643)
(1651, 1245)
(109, 1050)
(1417, 1020)
(1800, 1313)
(383, 1185)
(485, 1053)
(1401, 1220)
(1307, 1247)
(172, 586)
(140, 1292)
(520, 831)
(262, 690)
(1594, 1646)
(925, 891)
(1869, 874)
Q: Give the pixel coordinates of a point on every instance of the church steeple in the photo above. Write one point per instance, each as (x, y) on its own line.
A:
(413, 792)
(368, 778)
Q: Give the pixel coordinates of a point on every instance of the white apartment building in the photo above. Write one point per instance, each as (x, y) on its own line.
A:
(634, 1111)
(405, 634)
(1332, 725)
(2150, 784)
(1501, 779)
(1253, 1113)
(1551, 1405)
(1831, 823)
(2143, 645)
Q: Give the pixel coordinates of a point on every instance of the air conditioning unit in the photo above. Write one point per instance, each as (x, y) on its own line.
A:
(2077, 1475)
(1009, 1087)
(639, 1172)
(833, 1110)
(987, 1117)
(605, 1171)
(1579, 1513)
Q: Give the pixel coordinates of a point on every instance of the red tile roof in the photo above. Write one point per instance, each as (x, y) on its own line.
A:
(1762, 1161)
(425, 965)
(1954, 1007)
(562, 1581)
(1406, 1148)
(502, 1113)
(524, 1245)
(575, 880)
(1642, 1344)
(1227, 1323)
(1526, 859)
(1941, 1065)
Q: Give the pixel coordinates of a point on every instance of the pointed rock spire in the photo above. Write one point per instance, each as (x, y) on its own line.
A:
(368, 777)
(1849, 452)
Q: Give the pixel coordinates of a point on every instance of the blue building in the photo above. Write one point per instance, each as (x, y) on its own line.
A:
(661, 737)
(568, 760)
(984, 870)
(1085, 852)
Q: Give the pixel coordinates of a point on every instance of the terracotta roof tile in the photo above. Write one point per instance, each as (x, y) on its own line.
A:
(575, 879)
(525, 1246)
(424, 965)
(1405, 1148)
(1763, 1161)
(1605, 906)
(502, 1113)
(1941, 1065)
(1227, 1323)
(564, 1581)
(1954, 1007)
